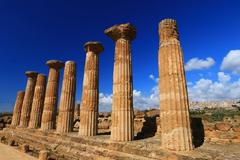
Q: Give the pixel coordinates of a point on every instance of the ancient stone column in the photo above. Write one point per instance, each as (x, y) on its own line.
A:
(67, 100)
(28, 98)
(89, 103)
(17, 109)
(122, 105)
(51, 96)
(38, 101)
(174, 106)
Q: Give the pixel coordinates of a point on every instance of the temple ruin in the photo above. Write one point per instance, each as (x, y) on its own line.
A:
(39, 128)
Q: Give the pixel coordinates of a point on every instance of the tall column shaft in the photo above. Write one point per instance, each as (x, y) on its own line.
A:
(17, 109)
(174, 105)
(38, 101)
(90, 94)
(28, 98)
(51, 96)
(122, 107)
(67, 100)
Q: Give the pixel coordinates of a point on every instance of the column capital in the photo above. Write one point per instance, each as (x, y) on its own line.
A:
(31, 74)
(21, 92)
(93, 46)
(41, 78)
(125, 31)
(41, 75)
(55, 64)
(168, 29)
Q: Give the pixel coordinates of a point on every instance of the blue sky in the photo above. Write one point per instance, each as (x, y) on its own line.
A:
(32, 32)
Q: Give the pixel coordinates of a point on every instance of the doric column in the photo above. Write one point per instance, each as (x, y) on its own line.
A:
(51, 96)
(122, 106)
(28, 98)
(174, 106)
(67, 100)
(17, 109)
(38, 101)
(89, 103)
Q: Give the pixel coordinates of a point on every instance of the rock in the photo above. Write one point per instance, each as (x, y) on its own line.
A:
(9, 120)
(11, 142)
(104, 125)
(43, 155)
(76, 125)
(2, 125)
(236, 128)
(153, 113)
(104, 114)
(223, 126)
(139, 114)
(209, 126)
(24, 148)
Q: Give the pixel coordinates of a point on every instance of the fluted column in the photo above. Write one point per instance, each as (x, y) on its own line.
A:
(89, 103)
(67, 100)
(122, 106)
(17, 109)
(38, 101)
(174, 105)
(28, 98)
(51, 96)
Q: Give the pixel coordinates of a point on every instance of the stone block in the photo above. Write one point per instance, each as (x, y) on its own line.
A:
(223, 126)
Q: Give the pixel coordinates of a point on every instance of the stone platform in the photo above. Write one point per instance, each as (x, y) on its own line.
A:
(70, 146)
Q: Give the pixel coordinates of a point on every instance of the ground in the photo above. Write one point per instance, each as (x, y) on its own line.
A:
(10, 153)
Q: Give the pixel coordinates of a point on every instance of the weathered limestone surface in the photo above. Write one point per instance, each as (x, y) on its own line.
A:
(28, 98)
(77, 111)
(17, 109)
(89, 105)
(43, 155)
(174, 105)
(38, 102)
(73, 147)
(51, 96)
(67, 100)
(122, 107)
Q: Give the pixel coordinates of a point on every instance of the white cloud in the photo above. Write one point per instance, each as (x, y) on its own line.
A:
(222, 77)
(152, 77)
(208, 90)
(201, 90)
(136, 93)
(199, 64)
(105, 102)
(231, 62)
(144, 102)
(140, 101)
